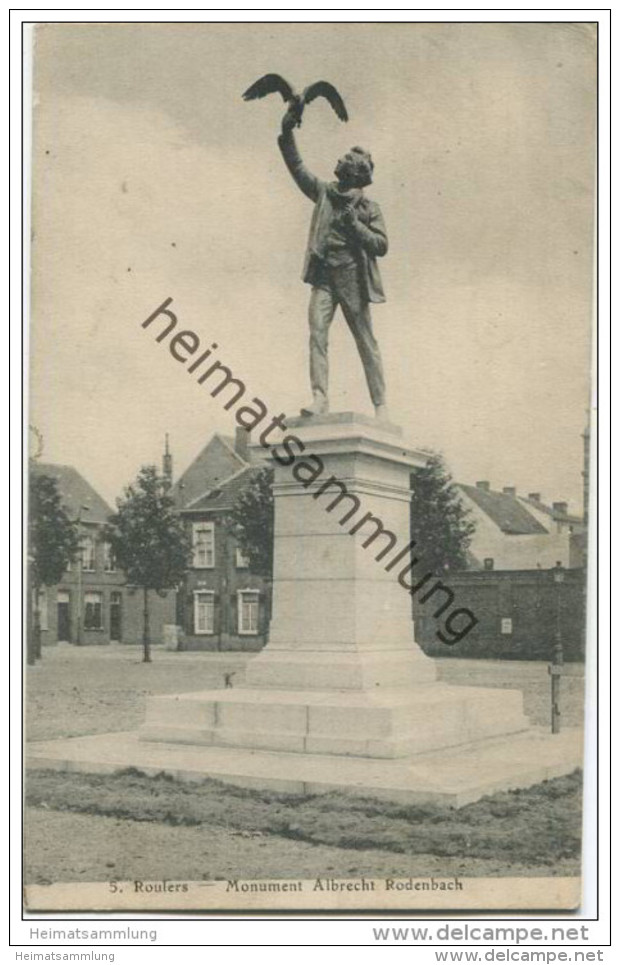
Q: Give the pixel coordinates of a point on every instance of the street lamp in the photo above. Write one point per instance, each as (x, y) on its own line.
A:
(555, 668)
(80, 563)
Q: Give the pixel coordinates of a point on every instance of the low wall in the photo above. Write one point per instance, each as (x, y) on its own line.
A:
(518, 613)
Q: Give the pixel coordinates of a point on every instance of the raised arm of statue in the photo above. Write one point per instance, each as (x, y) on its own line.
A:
(304, 178)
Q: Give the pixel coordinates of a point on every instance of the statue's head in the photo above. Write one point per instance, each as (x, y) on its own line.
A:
(354, 169)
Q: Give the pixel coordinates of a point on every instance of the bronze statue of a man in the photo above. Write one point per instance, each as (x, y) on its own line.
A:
(347, 235)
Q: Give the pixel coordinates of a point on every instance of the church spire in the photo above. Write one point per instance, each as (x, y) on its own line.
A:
(167, 463)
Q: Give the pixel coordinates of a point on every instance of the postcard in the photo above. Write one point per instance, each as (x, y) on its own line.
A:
(309, 478)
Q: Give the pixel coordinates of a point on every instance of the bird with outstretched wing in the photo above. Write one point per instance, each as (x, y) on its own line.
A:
(274, 84)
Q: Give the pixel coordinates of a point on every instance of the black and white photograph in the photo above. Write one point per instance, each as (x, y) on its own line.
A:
(310, 430)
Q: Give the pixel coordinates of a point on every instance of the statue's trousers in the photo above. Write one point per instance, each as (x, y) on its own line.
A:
(342, 287)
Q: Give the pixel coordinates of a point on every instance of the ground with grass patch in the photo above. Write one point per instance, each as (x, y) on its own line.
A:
(537, 827)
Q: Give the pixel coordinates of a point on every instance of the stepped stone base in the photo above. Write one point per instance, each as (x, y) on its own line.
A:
(451, 777)
(386, 724)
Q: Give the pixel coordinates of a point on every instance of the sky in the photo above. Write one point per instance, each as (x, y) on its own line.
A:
(152, 178)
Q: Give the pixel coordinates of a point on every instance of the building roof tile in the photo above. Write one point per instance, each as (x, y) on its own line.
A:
(76, 492)
(224, 495)
(507, 512)
(214, 464)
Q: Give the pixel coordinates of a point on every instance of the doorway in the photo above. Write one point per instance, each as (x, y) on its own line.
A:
(63, 623)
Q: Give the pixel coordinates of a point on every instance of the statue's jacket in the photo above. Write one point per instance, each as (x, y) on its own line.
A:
(369, 235)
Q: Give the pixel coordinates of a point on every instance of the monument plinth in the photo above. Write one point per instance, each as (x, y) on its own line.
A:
(341, 620)
(341, 698)
(342, 673)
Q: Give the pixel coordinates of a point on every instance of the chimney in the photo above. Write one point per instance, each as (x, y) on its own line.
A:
(242, 439)
(483, 484)
(535, 497)
(510, 490)
(167, 464)
(560, 508)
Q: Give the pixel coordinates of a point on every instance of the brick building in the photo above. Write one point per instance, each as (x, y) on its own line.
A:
(221, 605)
(93, 603)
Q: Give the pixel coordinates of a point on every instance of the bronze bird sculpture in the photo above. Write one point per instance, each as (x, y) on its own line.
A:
(274, 84)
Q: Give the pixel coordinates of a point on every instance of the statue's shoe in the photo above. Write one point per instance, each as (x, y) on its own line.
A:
(318, 407)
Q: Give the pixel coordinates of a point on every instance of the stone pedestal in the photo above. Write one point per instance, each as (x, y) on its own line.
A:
(341, 674)
(342, 698)
(341, 620)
